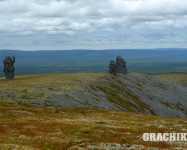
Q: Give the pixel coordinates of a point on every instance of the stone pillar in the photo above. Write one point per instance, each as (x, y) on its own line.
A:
(9, 67)
(121, 65)
(113, 68)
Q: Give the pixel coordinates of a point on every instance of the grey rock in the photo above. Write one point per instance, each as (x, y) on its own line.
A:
(113, 68)
(121, 64)
(92, 147)
(9, 67)
(153, 148)
(117, 67)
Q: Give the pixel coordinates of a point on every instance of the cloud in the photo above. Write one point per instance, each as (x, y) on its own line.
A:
(82, 17)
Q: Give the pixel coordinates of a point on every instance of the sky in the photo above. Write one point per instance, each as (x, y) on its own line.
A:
(92, 24)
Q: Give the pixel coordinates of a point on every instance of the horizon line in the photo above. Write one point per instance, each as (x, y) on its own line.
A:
(93, 49)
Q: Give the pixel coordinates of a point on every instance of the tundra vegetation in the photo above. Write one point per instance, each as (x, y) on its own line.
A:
(32, 118)
(27, 127)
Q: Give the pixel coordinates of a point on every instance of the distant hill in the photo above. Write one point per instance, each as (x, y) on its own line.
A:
(163, 95)
(153, 61)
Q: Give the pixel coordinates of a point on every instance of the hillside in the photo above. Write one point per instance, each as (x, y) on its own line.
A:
(163, 95)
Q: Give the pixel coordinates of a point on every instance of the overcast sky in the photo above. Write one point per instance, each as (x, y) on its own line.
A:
(92, 24)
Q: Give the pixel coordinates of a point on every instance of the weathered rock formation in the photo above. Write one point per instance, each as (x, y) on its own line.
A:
(118, 67)
(121, 65)
(113, 68)
(9, 67)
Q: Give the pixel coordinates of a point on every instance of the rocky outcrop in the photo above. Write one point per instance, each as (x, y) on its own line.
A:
(118, 67)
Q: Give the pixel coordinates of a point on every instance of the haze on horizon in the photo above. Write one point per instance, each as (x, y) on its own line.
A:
(93, 24)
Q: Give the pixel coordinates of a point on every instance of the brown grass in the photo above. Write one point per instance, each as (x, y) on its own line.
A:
(41, 128)
(30, 86)
(51, 81)
(178, 77)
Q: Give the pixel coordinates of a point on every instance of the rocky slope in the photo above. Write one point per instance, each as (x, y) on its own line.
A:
(164, 95)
